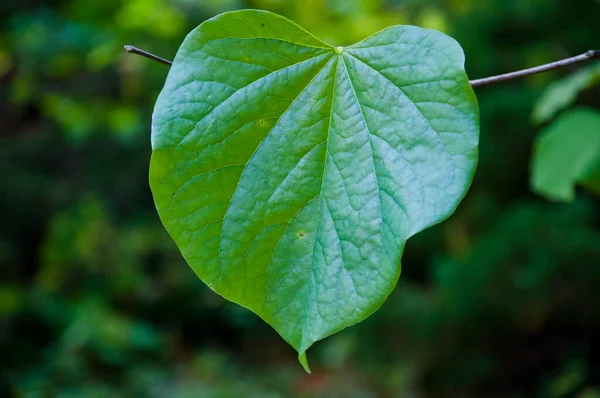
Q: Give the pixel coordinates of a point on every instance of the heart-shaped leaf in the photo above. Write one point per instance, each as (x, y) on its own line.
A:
(290, 173)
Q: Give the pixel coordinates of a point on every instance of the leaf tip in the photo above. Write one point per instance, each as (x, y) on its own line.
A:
(304, 361)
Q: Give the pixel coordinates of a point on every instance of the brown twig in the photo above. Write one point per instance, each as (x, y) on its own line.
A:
(538, 69)
(135, 50)
(475, 83)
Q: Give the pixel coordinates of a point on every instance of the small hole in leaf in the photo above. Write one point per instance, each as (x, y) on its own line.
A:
(301, 234)
(261, 122)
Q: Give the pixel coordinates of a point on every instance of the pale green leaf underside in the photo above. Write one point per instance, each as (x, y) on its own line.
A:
(291, 173)
(567, 153)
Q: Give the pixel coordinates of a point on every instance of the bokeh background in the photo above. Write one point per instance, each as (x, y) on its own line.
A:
(501, 300)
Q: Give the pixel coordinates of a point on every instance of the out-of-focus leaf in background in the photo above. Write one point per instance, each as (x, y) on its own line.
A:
(562, 93)
(568, 153)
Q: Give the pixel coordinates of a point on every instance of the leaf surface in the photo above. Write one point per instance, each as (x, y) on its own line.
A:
(567, 153)
(290, 173)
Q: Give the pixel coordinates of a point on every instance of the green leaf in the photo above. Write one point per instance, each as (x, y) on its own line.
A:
(562, 93)
(568, 153)
(290, 173)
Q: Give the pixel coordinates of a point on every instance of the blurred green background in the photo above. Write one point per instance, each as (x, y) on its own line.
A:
(501, 300)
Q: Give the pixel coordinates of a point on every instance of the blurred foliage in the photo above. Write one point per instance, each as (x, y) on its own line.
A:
(563, 92)
(568, 153)
(95, 300)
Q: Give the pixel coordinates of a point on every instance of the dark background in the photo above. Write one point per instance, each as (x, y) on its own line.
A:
(501, 300)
